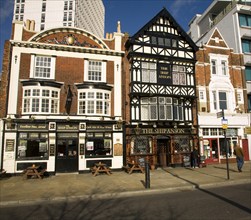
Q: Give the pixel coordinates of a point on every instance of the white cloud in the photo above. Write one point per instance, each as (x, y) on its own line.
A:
(6, 9)
(179, 5)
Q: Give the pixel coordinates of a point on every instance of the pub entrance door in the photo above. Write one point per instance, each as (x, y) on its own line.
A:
(67, 155)
(163, 152)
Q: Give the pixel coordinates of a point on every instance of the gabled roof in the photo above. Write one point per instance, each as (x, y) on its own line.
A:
(217, 40)
(162, 14)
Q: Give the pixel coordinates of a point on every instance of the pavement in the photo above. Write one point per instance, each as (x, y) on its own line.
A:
(15, 190)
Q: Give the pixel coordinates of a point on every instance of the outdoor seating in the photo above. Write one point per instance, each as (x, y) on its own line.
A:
(34, 172)
(133, 166)
(100, 168)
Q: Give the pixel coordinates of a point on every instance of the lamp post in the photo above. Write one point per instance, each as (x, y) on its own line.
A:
(224, 127)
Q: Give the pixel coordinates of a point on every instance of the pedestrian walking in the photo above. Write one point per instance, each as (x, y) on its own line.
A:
(195, 157)
(238, 152)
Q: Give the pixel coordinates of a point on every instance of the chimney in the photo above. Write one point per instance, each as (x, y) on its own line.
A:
(32, 25)
(28, 23)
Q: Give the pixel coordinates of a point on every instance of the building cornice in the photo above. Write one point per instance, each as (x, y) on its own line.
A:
(66, 48)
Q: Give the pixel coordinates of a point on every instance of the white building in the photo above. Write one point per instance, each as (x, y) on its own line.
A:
(87, 14)
(232, 19)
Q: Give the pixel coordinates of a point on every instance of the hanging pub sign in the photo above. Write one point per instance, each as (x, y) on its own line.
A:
(164, 74)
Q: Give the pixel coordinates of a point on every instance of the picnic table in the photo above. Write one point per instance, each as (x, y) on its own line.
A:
(100, 168)
(134, 166)
(34, 171)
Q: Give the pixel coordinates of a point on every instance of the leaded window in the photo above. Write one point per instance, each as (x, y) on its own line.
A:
(179, 75)
(149, 73)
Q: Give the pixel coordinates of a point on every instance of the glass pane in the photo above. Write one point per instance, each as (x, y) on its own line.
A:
(162, 112)
(144, 112)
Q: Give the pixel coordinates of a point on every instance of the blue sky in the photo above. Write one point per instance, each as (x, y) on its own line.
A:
(132, 14)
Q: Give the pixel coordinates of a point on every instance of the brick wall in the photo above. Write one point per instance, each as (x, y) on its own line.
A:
(4, 79)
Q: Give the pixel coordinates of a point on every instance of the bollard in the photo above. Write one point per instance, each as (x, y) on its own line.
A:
(147, 175)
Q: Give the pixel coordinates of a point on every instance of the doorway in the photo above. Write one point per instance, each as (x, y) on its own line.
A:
(163, 152)
(67, 155)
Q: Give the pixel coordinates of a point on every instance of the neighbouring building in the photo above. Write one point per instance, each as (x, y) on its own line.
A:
(62, 89)
(233, 20)
(159, 93)
(45, 14)
(220, 86)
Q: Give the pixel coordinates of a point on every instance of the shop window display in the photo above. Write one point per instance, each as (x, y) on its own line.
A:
(98, 144)
(32, 146)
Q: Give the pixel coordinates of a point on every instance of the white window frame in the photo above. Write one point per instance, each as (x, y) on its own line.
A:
(149, 72)
(91, 102)
(202, 95)
(239, 97)
(220, 67)
(103, 71)
(33, 67)
(40, 100)
(216, 100)
(179, 75)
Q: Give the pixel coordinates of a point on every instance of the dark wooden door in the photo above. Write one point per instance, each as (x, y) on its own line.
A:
(67, 155)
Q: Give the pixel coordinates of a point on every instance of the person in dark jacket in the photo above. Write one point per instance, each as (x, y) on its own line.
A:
(195, 157)
(238, 152)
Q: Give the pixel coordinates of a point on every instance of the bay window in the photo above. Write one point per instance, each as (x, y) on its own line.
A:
(149, 73)
(161, 108)
(94, 102)
(40, 100)
(219, 100)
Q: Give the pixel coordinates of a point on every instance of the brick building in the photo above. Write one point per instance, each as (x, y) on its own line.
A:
(220, 86)
(62, 89)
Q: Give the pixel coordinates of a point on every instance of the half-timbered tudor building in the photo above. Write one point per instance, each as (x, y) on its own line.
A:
(160, 94)
(221, 88)
(62, 89)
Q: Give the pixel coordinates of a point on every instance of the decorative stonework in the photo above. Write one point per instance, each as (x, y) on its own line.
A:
(70, 40)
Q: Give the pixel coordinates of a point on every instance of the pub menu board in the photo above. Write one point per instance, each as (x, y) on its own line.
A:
(52, 149)
(82, 149)
(9, 145)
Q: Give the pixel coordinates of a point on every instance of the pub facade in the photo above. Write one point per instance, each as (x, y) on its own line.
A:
(62, 89)
(160, 94)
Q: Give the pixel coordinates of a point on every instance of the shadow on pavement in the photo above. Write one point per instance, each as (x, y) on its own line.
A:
(248, 210)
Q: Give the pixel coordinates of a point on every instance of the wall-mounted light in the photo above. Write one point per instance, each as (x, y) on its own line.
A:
(137, 130)
(117, 67)
(32, 117)
(119, 124)
(154, 126)
(9, 122)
